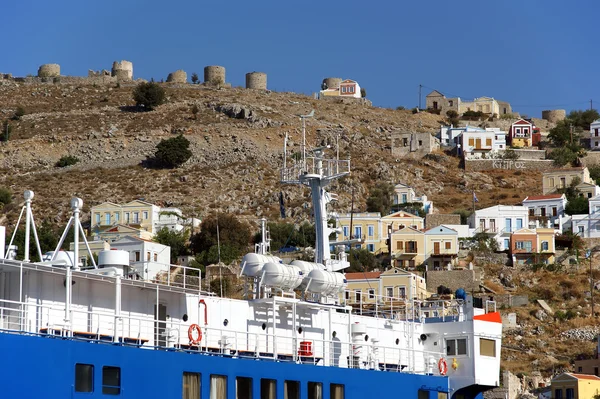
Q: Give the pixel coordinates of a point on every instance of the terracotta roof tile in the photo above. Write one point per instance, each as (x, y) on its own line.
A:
(362, 276)
(543, 197)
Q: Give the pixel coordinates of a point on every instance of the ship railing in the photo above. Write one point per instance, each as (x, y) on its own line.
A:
(327, 168)
(151, 333)
(402, 308)
(171, 275)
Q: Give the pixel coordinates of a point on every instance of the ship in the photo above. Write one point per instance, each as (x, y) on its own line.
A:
(123, 329)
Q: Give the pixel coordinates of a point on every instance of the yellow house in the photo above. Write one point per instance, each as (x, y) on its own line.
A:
(114, 233)
(441, 247)
(401, 218)
(139, 214)
(365, 225)
(571, 386)
(556, 179)
(408, 247)
(395, 283)
(373, 228)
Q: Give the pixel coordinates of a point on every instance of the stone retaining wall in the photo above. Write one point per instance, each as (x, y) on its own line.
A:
(478, 165)
(438, 219)
(454, 279)
(530, 154)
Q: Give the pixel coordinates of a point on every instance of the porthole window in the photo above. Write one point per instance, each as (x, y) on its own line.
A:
(300, 330)
(225, 322)
(397, 341)
(264, 326)
(334, 334)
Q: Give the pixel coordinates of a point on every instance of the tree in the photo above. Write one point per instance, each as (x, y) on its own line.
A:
(595, 172)
(562, 135)
(583, 119)
(47, 236)
(380, 199)
(361, 260)
(5, 196)
(464, 215)
(563, 156)
(363, 92)
(148, 95)
(452, 117)
(195, 78)
(177, 240)
(173, 152)
(195, 111)
(6, 131)
(66, 160)
(577, 206)
(221, 285)
(234, 236)
(19, 113)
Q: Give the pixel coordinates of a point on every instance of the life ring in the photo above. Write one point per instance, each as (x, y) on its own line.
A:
(194, 340)
(442, 366)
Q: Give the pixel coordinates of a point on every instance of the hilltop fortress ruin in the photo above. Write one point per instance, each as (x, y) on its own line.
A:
(122, 71)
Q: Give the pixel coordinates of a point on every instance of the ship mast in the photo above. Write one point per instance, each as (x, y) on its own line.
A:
(317, 172)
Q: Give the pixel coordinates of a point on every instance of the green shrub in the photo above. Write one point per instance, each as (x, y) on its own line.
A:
(19, 113)
(195, 78)
(148, 95)
(5, 196)
(172, 152)
(67, 160)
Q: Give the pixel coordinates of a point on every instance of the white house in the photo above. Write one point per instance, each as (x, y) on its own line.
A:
(172, 219)
(595, 135)
(347, 88)
(547, 211)
(499, 138)
(149, 259)
(481, 143)
(588, 226)
(450, 136)
(499, 222)
(405, 194)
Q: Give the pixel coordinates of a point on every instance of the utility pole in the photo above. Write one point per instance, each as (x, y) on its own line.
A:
(420, 87)
(591, 286)
(591, 104)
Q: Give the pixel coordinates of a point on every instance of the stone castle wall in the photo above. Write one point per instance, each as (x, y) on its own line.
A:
(479, 165)
(256, 80)
(178, 76)
(49, 70)
(554, 115)
(214, 74)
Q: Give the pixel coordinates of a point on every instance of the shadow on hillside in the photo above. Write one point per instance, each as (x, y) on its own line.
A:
(132, 108)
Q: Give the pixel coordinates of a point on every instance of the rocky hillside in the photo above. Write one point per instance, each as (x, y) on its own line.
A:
(237, 139)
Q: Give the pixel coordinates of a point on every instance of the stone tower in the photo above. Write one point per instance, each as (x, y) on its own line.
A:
(256, 80)
(122, 70)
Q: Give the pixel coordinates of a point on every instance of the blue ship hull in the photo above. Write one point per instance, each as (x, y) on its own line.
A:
(44, 367)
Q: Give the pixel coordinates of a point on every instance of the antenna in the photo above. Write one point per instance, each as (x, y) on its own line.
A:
(303, 117)
(76, 205)
(28, 195)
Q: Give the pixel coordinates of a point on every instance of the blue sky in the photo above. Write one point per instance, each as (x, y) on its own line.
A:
(536, 54)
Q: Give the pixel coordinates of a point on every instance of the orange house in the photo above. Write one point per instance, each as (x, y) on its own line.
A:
(532, 246)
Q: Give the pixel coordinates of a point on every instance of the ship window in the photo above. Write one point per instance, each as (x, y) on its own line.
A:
(315, 390)
(84, 377)
(336, 391)
(191, 385)
(218, 387)
(268, 389)
(456, 347)
(291, 389)
(111, 380)
(243, 387)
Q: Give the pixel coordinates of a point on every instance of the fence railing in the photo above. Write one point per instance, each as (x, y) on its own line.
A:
(147, 332)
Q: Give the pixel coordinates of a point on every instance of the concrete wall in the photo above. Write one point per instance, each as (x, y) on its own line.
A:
(530, 154)
(454, 279)
(478, 165)
(437, 219)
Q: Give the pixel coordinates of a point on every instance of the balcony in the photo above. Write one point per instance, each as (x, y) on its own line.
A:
(489, 230)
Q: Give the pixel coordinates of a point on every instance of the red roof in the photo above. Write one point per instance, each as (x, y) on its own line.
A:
(362, 276)
(543, 197)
